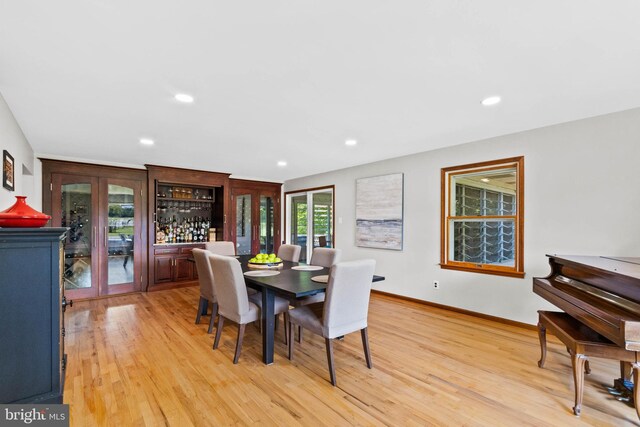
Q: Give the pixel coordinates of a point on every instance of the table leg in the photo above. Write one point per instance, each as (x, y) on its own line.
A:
(268, 325)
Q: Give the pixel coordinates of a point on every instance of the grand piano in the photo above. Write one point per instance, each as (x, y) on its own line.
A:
(602, 293)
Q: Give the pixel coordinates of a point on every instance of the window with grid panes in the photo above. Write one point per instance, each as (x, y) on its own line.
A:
(482, 217)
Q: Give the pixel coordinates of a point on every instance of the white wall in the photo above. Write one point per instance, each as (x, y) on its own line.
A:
(581, 197)
(12, 139)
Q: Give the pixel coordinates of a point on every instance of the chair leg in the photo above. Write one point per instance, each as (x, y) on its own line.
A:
(201, 308)
(214, 313)
(218, 332)
(332, 369)
(286, 327)
(239, 343)
(299, 333)
(276, 323)
(290, 339)
(365, 345)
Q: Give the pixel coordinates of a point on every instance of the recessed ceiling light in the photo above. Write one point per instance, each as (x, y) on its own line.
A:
(183, 97)
(485, 179)
(282, 163)
(146, 141)
(492, 100)
(350, 142)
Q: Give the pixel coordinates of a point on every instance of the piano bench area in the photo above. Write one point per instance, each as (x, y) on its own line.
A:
(582, 342)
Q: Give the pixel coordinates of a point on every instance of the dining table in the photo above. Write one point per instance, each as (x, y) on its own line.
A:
(290, 284)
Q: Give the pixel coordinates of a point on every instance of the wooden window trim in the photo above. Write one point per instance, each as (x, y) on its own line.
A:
(446, 175)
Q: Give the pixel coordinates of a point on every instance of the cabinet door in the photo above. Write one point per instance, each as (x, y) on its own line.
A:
(74, 201)
(163, 269)
(183, 269)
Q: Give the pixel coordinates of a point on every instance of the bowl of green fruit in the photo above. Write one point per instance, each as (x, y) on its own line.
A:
(265, 261)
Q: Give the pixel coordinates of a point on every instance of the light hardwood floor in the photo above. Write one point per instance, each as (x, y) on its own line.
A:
(140, 360)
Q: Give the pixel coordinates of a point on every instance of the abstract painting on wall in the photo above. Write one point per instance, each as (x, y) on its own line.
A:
(379, 211)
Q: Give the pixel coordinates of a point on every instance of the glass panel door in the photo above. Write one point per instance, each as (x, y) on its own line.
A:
(121, 215)
(322, 220)
(77, 197)
(104, 246)
(299, 224)
(267, 225)
(243, 229)
(310, 220)
(121, 232)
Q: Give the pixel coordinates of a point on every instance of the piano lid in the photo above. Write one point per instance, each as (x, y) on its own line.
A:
(632, 260)
(626, 266)
(618, 275)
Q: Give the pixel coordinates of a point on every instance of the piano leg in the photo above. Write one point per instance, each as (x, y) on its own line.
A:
(542, 335)
(636, 388)
(578, 361)
(626, 370)
(623, 387)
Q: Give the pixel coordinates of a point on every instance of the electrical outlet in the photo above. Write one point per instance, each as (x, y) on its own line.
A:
(436, 284)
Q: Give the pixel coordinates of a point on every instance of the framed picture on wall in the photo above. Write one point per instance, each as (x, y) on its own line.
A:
(379, 211)
(8, 171)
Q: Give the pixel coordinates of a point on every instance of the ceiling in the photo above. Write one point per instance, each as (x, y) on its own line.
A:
(291, 80)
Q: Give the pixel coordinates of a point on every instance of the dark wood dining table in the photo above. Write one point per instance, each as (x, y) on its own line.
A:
(289, 284)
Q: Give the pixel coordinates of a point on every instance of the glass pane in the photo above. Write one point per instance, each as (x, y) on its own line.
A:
(299, 224)
(121, 232)
(468, 200)
(243, 225)
(485, 193)
(484, 242)
(322, 224)
(266, 225)
(76, 214)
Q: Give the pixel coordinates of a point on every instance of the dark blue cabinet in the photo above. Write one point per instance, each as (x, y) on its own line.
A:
(31, 315)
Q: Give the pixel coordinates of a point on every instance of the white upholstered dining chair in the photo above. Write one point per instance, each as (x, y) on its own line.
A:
(233, 300)
(289, 253)
(345, 309)
(207, 292)
(323, 257)
(221, 248)
(224, 248)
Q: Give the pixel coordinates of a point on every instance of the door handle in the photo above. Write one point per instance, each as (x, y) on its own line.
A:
(106, 237)
(66, 303)
(94, 236)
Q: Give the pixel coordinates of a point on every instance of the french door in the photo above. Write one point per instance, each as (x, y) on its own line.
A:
(102, 254)
(310, 219)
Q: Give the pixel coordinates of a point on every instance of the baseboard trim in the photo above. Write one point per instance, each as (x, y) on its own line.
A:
(171, 285)
(458, 310)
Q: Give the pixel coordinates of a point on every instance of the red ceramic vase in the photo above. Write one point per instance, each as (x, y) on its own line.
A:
(22, 215)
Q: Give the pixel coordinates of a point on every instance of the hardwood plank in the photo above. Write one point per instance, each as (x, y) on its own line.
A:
(139, 360)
